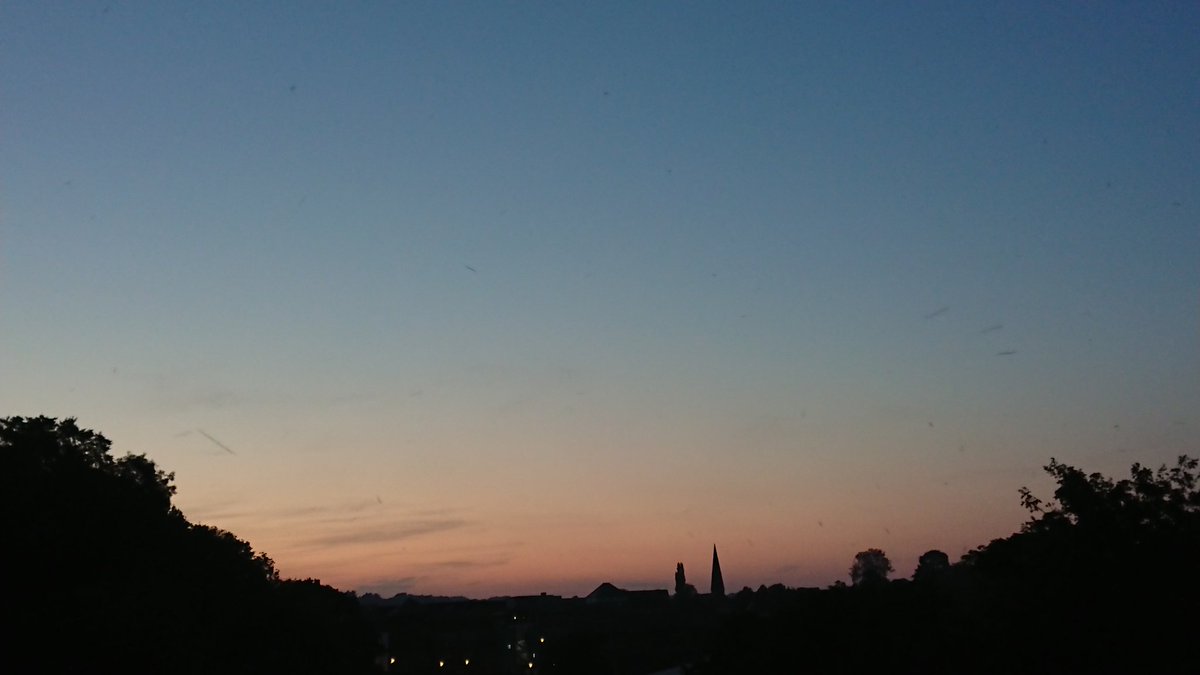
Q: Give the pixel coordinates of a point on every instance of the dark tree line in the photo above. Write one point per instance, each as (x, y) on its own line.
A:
(1103, 578)
(105, 575)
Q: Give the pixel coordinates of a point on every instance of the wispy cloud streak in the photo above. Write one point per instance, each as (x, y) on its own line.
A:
(385, 533)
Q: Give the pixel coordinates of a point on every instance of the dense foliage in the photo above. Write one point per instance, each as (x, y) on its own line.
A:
(106, 575)
(870, 567)
(1101, 579)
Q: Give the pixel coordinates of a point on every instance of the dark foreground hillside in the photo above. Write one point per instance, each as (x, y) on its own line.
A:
(104, 575)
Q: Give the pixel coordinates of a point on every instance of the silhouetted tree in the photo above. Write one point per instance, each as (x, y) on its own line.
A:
(870, 567)
(1100, 528)
(1162, 501)
(106, 575)
(322, 629)
(931, 565)
(1076, 587)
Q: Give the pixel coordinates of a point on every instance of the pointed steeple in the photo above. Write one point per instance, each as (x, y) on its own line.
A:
(717, 589)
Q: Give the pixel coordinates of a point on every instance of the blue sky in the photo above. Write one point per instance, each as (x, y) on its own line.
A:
(632, 278)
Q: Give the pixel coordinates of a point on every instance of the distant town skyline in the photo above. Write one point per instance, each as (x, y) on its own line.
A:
(503, 298)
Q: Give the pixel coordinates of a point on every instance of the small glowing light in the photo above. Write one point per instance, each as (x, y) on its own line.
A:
(466, 662)
(531, 664)
(541, 639)
(392, 660)
(441, 664)
(514, 617)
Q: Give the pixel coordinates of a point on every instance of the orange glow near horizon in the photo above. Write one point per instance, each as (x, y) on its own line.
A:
(372, 545)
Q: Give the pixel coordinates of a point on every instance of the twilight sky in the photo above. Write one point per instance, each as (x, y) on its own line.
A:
(484, 298)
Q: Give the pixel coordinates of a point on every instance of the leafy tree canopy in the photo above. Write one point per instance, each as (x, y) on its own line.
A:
(42, 450)
(1099, 527)
(870, 567)
(1103, 565)
(931, 565)
(1163, 500)
(103, 563)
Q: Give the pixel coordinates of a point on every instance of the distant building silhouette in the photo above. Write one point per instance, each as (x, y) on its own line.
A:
(717, 588)
(606, 593)
(682, 587)
(610, 595)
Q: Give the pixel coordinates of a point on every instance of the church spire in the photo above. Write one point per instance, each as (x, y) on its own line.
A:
(717, 589)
